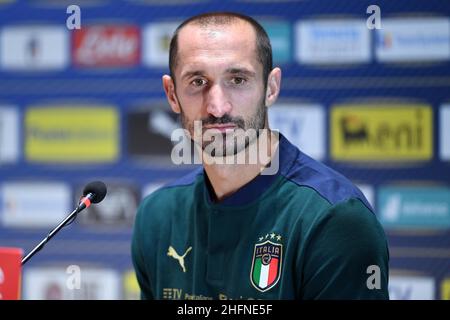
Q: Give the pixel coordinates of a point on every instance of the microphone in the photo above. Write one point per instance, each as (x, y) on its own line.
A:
(93, 192)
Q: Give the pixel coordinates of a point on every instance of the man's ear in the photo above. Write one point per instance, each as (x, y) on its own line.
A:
(169, 88)
(273, 86)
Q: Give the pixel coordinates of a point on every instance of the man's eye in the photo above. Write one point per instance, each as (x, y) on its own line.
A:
(238, 80)
(198, 82)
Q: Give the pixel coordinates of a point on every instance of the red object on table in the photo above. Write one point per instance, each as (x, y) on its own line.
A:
(10, 273)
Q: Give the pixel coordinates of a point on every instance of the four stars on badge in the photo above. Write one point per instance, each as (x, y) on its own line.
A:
(271, 236)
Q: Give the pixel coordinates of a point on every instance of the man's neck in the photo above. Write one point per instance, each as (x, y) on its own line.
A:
(226, 179)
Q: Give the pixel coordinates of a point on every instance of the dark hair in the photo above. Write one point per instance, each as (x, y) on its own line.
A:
(263, 47)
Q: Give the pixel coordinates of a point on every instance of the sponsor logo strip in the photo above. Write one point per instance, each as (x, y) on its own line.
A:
(106, 46)
(411, 288)
(444, 118)
(71, 134)
(420, 207)
(413, 39)
(332, 42)
(381, 132)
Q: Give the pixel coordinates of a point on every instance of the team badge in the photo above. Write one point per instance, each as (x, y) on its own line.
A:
(266, 264)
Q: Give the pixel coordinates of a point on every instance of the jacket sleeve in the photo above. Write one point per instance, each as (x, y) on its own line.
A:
(346, 255)
(138, 257)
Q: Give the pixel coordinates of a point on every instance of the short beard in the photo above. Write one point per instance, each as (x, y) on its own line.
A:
(257, 122)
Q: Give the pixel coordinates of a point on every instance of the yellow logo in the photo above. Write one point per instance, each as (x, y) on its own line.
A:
(445, 289)
(71, 134)
(382, 132)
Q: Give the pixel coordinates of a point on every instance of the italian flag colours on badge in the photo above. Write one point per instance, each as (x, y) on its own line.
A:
(265, 274)
(266, 265)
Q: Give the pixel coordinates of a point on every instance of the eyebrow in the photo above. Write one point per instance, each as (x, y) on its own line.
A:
(238, 70)
(189, 74)
(232, 70)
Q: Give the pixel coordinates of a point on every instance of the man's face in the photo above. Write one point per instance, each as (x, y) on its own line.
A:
(219, 82)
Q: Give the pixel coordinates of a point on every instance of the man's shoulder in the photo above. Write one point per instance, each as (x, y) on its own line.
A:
(323, 181)
(173, 193)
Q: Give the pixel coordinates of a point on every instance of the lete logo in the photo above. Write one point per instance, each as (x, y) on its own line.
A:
(106, 46)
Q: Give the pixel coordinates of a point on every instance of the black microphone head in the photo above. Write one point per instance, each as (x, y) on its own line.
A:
(97, 188)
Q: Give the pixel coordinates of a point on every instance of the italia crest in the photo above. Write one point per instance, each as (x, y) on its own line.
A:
(266, 264)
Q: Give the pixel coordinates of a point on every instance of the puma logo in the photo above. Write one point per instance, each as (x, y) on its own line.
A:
(172, 253)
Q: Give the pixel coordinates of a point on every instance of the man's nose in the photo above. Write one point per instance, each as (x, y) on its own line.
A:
(217, 103)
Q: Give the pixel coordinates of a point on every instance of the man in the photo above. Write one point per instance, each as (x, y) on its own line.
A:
(235, 230)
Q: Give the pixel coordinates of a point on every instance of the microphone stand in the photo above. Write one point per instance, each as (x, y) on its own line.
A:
(54, 231)
(93, 192)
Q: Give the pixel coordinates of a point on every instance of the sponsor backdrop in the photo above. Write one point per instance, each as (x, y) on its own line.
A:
(79, 105)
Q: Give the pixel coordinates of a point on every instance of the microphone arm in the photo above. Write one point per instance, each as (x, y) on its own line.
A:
(84, 203)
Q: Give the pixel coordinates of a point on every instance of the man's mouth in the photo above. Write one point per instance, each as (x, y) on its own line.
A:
(221, 127)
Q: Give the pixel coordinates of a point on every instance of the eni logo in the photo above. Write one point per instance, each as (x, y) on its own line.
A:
(172, 253)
